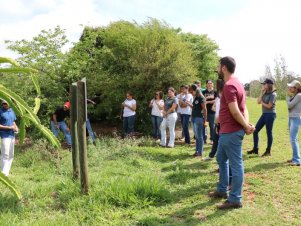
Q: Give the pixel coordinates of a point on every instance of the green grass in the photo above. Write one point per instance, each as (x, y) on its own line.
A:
(135, 182)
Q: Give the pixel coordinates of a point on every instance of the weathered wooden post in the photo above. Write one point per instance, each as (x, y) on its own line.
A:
(74, 137)
(81, 130)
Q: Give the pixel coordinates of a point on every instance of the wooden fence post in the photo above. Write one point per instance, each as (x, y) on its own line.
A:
(74, 135)
(81, 130)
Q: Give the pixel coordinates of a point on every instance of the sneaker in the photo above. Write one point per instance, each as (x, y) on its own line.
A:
(218, 195)
(289, 161)
(253, 151)
(168, 146)
(294, 164)
(211, 142)
(229, 205)
(208, 159)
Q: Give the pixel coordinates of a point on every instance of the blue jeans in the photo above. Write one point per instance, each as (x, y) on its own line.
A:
(198, 128)
(294, 124)
(230, 152)
(185, 126)
(90, 131)
(215, 141)
(63, 127)
(156, 122)
(128, 124)
(211, 118)
(267, 120)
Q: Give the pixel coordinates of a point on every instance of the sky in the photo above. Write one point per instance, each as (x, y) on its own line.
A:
(254, 32)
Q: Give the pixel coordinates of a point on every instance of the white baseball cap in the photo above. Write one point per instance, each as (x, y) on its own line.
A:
(294, 83)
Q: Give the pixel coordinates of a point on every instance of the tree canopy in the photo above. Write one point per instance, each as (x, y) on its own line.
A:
(122, 56)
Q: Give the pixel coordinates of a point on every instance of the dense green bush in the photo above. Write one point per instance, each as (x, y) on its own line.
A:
(122, 56)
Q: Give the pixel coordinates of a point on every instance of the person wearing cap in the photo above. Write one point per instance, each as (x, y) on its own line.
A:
(8, 128)
(294, 108)
(58, 122)
(267, 99)
(210, 96)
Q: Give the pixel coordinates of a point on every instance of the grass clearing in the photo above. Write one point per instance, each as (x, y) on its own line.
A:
(135, 182)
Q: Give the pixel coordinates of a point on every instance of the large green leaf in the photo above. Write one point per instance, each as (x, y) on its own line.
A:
(5, 180)
(30, 115)
(18, 70)
(36, 84)
(22, 130)
(9, 60)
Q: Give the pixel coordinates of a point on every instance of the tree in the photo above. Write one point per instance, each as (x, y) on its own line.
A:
(43, 52)
(205, 55)
(127, 56)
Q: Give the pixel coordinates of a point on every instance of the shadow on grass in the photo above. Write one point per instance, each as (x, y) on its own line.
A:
(202, 188)
(193, 166)
(186, 216)
(165, 157)
(182, 177)
(9, 203)
(264, 167)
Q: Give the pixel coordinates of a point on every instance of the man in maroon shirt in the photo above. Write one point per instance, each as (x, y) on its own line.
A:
(234, 122)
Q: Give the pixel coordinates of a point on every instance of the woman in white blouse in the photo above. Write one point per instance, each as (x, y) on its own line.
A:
(129, 114)
(157, 105)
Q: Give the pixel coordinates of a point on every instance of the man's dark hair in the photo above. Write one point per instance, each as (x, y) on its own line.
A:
(194, 87)
(229, 63)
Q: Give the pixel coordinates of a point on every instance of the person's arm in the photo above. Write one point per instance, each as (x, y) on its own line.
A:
(173, 107)
(204, 111)
(160, 105)
(259, 99)
(237, 115)
(55, 121)
(6, 127)
(16, 129)
(133, 107)
(296, 100)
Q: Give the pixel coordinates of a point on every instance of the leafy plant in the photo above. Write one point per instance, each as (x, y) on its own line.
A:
(8, 183)
(27, 114)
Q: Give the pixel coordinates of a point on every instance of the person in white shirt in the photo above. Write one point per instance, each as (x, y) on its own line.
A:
(129, 114)
(185, 100)
(157, 105)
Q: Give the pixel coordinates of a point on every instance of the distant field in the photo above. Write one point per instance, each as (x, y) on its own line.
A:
(135, 182)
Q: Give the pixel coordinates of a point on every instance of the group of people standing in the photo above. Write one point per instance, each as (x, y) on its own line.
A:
(225, 110)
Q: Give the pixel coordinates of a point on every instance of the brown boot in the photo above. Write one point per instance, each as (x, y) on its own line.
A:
(253, 151)
(267, 153)
(229, 205)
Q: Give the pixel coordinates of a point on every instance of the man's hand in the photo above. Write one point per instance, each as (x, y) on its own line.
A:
(249, 129)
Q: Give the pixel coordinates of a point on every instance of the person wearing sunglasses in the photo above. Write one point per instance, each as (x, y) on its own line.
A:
(8, 128)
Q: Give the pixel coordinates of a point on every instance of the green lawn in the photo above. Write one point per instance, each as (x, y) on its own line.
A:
(135, 182)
